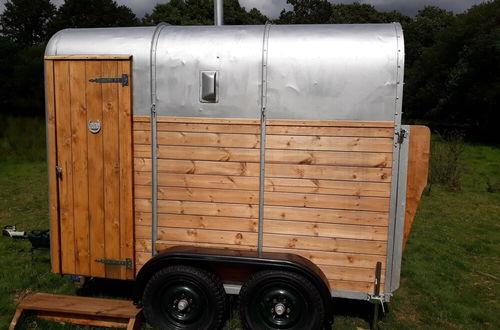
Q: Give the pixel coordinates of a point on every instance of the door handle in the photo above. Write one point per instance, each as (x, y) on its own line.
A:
(58, 172)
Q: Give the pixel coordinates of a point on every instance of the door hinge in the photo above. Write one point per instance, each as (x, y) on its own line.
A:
(123, 80)
(127, 262)
(402, 134)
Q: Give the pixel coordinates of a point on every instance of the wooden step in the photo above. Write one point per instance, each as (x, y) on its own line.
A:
(80, 310)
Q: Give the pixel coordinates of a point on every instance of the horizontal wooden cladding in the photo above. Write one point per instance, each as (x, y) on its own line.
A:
(343, 259)
(270, 226)
(274, 130)
(270, 212)
(350, 273)
(270, 198)
(335, 123)
(236, 140)
(200, 208)
(198, 222)
(373, 189)
(270, 240)
(339, 158)
(271, 122)
(314, 172)
(353, 286)
(198, 235)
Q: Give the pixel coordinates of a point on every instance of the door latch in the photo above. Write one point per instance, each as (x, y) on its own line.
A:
(58, 172)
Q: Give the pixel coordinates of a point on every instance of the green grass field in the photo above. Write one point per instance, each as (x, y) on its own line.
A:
(450, 272)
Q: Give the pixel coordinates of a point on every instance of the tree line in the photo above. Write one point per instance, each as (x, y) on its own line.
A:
(451, 67)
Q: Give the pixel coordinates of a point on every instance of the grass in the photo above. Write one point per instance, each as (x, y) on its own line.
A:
(450, 271)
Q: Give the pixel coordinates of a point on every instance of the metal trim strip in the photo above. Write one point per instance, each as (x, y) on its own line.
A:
(388, 288)
(263, 104)
(154, 147)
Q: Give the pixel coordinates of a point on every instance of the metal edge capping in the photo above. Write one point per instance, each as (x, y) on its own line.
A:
(263, 104)
(395, 184)
(154, 160)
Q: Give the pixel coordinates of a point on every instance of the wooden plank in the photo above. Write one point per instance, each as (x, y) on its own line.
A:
(327, 172)
(363, 159)
(326, 201)
(212, 128)
(200, 195)
(144, 246)
(271, 184)
(418, 169)
(55, 251)
(199, 235)
(126, 170)
(199, 208)
(95, 171)
(333, 143)
(204, 120)
(199, 222)
(304, 157)
(353, 286)
(325, 244)
(200, 139)
(272, 170)
(64, 139)
(80, 305)
(78, 108)
(327, 215)
(350, 273)
(199, 167)
(331, 131)
(144, 119)
(325, 230)
(270, 198)
(88, 320)
(88, 57)
(335, 258)
(336, 123)
(328, 187)
(111, 169)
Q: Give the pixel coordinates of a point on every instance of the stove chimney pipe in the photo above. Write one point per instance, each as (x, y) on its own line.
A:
(218, 12)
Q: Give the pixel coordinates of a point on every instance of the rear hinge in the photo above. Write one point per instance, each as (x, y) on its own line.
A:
(123, 80)
(127, 262)
(401, 135)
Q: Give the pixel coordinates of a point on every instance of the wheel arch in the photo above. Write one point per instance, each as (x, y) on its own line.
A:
(209, 258)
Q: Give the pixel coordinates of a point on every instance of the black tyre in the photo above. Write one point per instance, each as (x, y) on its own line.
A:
(184, 297)
(280, 300)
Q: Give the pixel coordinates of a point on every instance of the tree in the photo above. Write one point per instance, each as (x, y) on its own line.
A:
(92, 13)
(25, 21)
(456, 81)
(200, 12)
(306, 12)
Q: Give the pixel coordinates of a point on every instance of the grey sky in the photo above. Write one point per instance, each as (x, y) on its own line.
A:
(272, 8)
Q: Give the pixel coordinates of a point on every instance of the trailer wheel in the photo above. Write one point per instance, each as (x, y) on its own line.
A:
(280, 300)
(184, 297)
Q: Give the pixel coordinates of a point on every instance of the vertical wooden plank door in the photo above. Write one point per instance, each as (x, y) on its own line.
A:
(92, 144)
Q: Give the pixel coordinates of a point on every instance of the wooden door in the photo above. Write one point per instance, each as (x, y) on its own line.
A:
(90, 141)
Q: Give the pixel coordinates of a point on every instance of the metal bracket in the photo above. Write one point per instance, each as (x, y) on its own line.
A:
(402, 134)
(123, 80)
(127, 262)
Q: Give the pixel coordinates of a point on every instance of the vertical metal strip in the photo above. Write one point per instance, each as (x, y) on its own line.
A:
(395, 185)
(154, 147)
(263, 104)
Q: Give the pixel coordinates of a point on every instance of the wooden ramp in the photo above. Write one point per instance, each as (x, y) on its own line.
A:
(80, 310)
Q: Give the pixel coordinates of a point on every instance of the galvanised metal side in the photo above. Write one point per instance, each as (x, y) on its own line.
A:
(315, 72)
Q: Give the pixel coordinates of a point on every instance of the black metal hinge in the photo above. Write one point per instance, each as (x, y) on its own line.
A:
(127, 262)
(123, 80)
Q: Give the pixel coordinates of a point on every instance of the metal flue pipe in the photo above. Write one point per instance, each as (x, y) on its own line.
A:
(218, 12)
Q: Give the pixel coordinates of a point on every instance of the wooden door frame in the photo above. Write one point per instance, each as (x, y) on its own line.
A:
(51, 136)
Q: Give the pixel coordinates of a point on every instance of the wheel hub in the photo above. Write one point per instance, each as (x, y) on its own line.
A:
(279, 309)
(182, 304)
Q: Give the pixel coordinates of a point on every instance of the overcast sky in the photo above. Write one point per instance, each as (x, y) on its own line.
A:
(272, 8)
